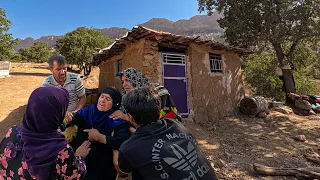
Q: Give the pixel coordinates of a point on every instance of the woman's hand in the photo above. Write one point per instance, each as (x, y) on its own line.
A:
(68, 118)
(95, 135)
(83, 150)
(118, 115)
(116, 164)
(132, 130)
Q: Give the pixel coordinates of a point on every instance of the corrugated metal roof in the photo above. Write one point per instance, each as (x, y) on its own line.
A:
(139, 32)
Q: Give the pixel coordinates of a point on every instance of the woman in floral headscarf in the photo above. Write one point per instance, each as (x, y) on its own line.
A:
(134, 78)
(36, 150)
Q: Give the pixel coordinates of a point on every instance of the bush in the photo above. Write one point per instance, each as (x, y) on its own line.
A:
(260, 74)
(305, 84)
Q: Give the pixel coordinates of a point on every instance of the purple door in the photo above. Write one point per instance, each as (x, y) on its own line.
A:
(174, 79)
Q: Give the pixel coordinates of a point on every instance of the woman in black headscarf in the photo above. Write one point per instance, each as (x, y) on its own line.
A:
(105, 134)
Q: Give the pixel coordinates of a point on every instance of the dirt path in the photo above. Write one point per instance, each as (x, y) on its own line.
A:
(232, 144)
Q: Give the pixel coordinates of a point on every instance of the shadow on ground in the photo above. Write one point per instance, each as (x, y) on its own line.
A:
(14, 118)
(29, 74)
(233, 144)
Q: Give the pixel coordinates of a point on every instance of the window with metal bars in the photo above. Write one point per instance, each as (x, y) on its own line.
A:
(216, 63)
(173, 58)
(118, 66)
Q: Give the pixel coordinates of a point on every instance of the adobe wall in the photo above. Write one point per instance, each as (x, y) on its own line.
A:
(152, 62)
(213, 95)
(132, 56)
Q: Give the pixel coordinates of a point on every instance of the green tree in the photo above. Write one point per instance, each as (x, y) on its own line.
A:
(39, 52)
(261, 72)
(273, 23)
(25, 53)
(14, 56)
(6, 40)
(79, 46)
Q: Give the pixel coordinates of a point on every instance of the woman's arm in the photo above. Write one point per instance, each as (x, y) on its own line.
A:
(121, 134)
(77, 120)
(118, 114)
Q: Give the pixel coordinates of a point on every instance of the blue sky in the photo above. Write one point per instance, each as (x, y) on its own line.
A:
(38, 18)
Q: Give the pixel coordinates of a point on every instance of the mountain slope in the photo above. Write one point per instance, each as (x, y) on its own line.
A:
(203, 25)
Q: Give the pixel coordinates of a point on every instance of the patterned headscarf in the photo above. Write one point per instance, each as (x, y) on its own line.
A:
(136, 77)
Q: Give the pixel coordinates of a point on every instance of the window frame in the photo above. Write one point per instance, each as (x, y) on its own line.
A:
(118, 66)
(216, 63)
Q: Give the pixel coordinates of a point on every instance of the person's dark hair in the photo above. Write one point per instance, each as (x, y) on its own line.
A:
(114, 94)
(61, 60)
(143, 104)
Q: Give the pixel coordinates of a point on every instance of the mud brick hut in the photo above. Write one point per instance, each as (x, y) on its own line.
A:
(203, 77)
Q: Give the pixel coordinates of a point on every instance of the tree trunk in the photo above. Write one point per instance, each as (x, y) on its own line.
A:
(288, 79)
(289, 83)
(87, 70)
(84, 71)
(308, 172)
(253, 105)
(80, 66)
(69, 68)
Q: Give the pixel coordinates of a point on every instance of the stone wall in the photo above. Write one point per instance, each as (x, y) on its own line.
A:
(152, 62)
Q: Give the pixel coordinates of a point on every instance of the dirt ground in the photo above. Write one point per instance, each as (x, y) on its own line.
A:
(232, 144)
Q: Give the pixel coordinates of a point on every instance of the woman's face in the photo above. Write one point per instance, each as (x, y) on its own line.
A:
(105, 102)
(126, 84)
